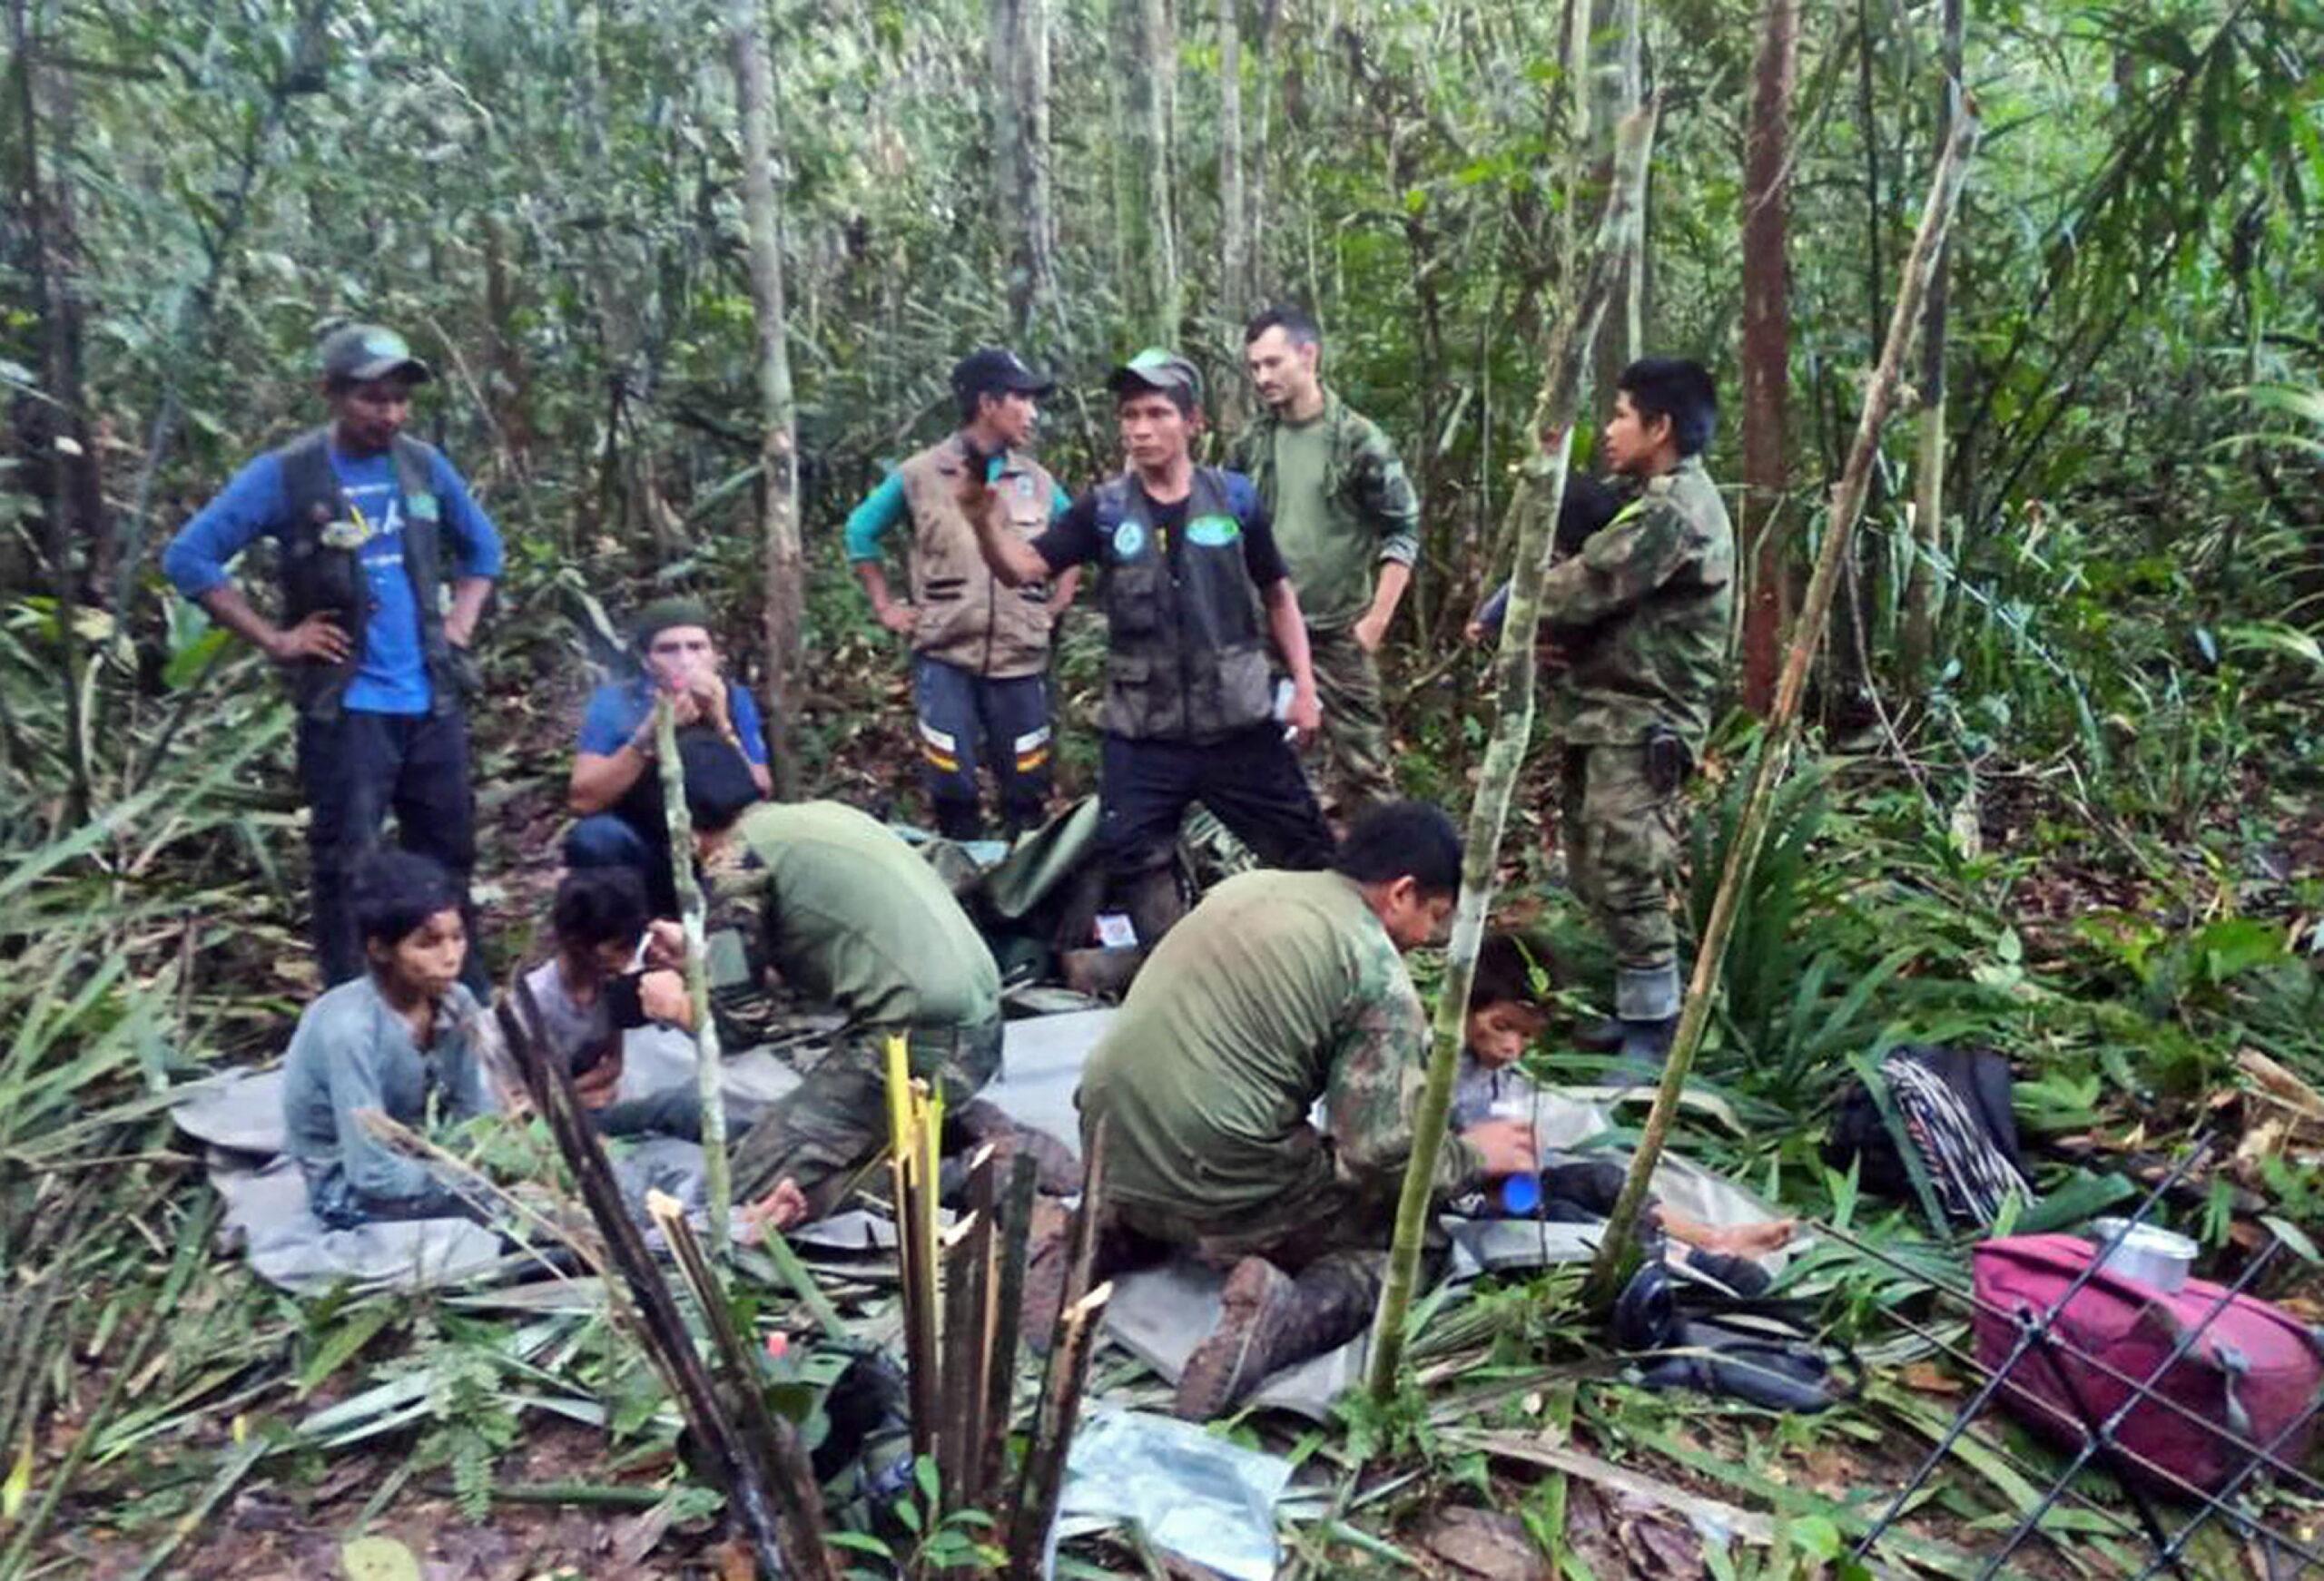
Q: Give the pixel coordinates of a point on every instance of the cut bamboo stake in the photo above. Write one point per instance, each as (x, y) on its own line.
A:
(1007, 1307)
(718, 1185)
(782, 1460)
(1085, 1216)
(1044, 1481)
(1616, 1252)
(959, 1387)
(670, 1344)
(1533, 514)
(911, 1167)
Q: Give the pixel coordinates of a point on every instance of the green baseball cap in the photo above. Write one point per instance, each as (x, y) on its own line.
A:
(1157, 369)
(357, 353)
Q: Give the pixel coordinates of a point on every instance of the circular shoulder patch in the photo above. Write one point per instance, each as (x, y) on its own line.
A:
(1128, 539)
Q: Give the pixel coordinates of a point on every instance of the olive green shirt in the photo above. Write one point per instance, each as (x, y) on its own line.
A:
(847, 913)
(1341, 503)
(1278, 989)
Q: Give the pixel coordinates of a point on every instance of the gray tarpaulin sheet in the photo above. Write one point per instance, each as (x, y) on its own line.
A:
(240, 1116)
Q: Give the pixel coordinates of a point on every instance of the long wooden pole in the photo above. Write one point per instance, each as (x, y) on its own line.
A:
(1532, 512)
(718, 1185)
(1615, 1254)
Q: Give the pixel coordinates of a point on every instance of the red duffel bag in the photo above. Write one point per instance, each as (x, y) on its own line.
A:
(2253, 1371)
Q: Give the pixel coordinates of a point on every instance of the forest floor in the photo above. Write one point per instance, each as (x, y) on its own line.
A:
(2123, 964)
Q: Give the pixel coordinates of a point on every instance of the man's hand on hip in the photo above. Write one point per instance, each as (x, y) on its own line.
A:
(1371, 630)
(897, 617)
(317, 636)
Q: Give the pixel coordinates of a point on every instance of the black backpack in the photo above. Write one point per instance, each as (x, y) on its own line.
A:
(1951, 1107)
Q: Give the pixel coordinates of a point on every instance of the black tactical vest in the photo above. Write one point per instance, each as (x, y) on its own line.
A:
(318, 575)
(1186, 658)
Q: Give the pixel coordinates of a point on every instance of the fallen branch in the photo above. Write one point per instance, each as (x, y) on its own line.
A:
(710, 1075)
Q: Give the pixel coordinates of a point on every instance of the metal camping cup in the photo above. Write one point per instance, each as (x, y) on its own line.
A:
(2143, 1253)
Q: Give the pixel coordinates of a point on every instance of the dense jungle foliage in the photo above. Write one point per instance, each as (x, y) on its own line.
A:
(2063, 795)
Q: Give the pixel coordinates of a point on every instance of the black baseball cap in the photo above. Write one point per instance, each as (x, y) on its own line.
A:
(357, 353)
(1154, 368)
(995, 370)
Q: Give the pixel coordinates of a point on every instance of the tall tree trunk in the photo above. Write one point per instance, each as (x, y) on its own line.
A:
(57, 453)
(1766, 346)
(1616, 1252)
(1233, 218)
(1847, 702)
(1234, 227)
(1019, 66)
(1918, 640)
(1532, 513)
(778, 469)
(1146, 64)
(1259, 280)
(1615, 79)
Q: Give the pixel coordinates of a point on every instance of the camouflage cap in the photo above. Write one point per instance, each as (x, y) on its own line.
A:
(1154, 368)
(356, 353)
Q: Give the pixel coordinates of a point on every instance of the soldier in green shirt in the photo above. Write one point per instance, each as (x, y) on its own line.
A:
(1647, 602)
(835, 905)
(1278, 990)
(1343, 511)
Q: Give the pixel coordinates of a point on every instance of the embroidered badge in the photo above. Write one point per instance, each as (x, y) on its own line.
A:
(1129, 540)
(345, 535)
(1213, 532)
(422, 506)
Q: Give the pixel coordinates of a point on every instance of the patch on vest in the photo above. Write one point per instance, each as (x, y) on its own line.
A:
(1130, 539)
(1213, 532)
(422, 506)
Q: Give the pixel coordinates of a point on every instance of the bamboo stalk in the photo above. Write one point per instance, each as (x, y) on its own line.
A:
(718, 1183)
(916, 1268)
(1008, 1308)
(1532, 513)
(960, 1388)
(1044, 1479)
(1617, 1252)
(782, 1460)
(1085, 1216)
(668, 1341)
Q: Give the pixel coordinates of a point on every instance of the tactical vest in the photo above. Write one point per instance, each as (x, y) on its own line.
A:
(961, 614)
(1186, 658)
(318, 576)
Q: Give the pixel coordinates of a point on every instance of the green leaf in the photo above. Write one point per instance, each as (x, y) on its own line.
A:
(378, 1559)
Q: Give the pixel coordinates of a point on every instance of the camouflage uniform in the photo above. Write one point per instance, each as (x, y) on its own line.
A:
(1653, 594)
(1367, 513)
(1278, 989)
(844, 912)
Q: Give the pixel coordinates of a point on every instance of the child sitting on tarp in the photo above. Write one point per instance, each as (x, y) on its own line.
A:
(1507, 1009)
(591, 992)
(401, 1040)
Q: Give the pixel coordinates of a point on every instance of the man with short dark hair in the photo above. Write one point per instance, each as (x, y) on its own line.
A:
(361, 513)
(616, 789)
(1279, 990)
(1193, 591)
(1343, 509)
(980, 651)
(1649, 600)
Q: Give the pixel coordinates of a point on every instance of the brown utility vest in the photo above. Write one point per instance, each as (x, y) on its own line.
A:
(1187, 652)
(962, 614)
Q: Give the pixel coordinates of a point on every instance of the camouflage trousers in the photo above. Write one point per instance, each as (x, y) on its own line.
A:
(1322, 1229)
(1621, 851)
(1355, 776)
(835, 1120)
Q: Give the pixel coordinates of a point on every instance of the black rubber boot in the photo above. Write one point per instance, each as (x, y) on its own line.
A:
(1646, 1045)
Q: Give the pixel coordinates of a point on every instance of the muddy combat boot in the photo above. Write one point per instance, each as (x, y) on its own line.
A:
(1602, 1035)
(1646, 1005)
(1645, 1047)
(1268, 1320)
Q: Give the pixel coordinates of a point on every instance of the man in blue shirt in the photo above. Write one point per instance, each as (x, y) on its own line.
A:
(367, 524)
(615, 790)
